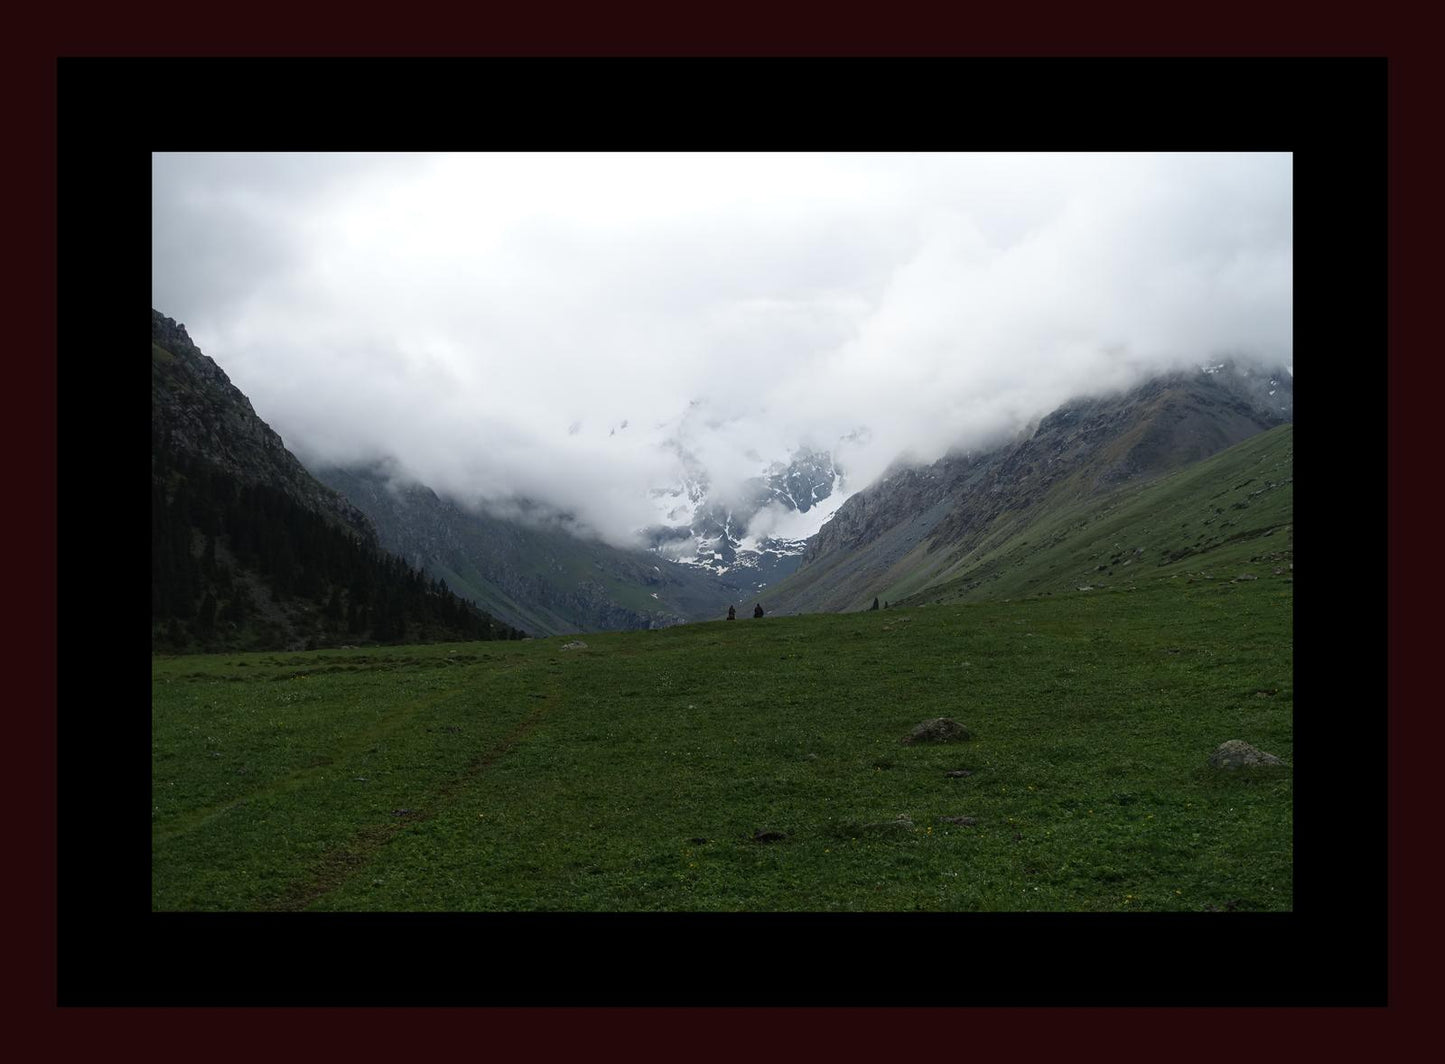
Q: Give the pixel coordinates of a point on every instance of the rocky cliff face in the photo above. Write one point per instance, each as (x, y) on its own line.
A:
(902, 493)
(196, 411)
(806, 480)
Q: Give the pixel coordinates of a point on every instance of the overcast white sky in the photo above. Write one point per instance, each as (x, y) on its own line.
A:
(491, 321)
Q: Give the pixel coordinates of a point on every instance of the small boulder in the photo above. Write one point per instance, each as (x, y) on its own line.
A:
(769, 836)
(958, 773)
(966, 821)
(938, 730)
(576, 644)
(1236, 753)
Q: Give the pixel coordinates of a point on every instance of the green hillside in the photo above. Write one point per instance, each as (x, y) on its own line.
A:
(987, 519)
(1227, 516)
(753, 765)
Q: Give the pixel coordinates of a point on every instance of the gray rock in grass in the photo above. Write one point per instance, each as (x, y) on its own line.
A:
(1236, 753)
(938, 730)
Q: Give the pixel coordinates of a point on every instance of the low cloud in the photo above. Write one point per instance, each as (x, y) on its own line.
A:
(572, 330)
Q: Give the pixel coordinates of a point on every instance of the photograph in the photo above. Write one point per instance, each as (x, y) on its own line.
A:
(749, 532)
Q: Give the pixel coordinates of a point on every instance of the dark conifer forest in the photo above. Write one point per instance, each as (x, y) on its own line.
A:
(238, 566)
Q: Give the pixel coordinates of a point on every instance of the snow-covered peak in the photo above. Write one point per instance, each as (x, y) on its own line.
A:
(756, 529)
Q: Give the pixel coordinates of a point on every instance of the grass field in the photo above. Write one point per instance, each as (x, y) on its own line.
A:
(637, 773)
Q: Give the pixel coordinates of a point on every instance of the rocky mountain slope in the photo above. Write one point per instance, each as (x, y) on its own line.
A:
(699, 559)
(196, 412)
(917, 526)
(1228, 517)
(248, 550)
(535, 577)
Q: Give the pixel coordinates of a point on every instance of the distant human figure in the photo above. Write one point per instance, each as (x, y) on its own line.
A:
(758, 610)
(875, 603)
(732, 613)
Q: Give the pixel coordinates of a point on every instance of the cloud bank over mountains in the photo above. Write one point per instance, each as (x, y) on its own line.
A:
(573, 329)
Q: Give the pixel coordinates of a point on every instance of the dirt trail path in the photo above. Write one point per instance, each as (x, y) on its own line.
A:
(340, 864)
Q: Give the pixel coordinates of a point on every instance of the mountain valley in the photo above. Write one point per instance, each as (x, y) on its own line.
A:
(797, 537)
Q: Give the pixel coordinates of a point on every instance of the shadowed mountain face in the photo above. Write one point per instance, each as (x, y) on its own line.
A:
(916, 523)
(536, 574)
(198, 414)
(248, 550)
(542, 579)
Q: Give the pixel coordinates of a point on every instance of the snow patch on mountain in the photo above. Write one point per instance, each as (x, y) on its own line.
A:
(678, 506)
(756, 530)
(776, 525)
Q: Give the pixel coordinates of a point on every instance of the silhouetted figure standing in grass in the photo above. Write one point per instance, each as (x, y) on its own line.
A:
(732, 613)
(758, 610)
(875, 604)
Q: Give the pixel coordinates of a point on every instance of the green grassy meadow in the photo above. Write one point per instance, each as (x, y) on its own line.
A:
(637, 773)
